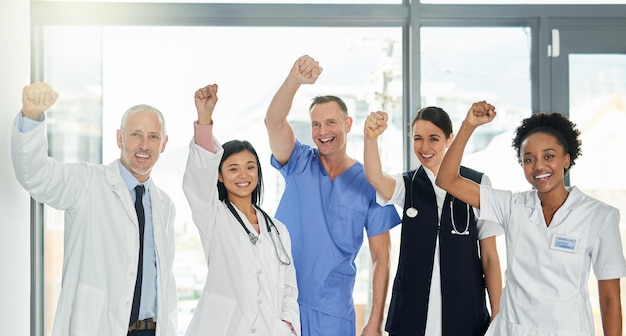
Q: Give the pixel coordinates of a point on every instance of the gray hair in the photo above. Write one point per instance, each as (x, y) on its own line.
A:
(143, 107)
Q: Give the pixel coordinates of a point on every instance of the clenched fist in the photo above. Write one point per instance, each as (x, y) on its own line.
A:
(36, 98)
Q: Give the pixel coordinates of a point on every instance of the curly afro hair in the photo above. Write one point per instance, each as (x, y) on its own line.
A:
(554, 124)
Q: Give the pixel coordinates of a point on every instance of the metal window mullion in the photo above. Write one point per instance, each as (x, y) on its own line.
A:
(36, 269)
(37, 306)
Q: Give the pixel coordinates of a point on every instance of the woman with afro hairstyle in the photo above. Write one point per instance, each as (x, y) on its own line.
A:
(554, 233)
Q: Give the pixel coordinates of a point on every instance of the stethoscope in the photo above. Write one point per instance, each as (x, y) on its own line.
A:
(412, 212)
(281, 253)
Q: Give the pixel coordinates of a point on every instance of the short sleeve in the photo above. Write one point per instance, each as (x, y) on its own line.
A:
(495, 205)
(381, 219)
(399, 194)
(487, 228)
(608, 257)
(297, 162)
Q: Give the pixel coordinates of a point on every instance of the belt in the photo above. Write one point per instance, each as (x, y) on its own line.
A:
(147, 324)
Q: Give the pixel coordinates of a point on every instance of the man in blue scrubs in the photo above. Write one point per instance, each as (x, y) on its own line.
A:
(326, 204)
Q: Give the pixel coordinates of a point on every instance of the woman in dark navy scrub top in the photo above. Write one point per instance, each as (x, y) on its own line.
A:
(447, 257)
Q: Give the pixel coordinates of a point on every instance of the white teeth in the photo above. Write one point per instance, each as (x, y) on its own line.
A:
(325, 140)
(542, 176)
(242, 184)
(143, 156)
(428, 156)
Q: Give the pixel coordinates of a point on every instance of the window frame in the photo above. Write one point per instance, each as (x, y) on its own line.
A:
(410, 15)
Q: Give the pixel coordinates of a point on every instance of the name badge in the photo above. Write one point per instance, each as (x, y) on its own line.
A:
(564, 243)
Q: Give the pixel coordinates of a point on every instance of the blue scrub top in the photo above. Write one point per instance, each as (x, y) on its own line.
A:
(326, 220)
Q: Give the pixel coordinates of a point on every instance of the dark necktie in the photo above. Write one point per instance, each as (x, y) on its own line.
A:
(134, 314)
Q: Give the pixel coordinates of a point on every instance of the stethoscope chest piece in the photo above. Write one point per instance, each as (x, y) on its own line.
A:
(411, 212)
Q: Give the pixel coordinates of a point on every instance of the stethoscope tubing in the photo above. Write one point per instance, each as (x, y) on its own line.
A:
(269, 224)
(412, 212)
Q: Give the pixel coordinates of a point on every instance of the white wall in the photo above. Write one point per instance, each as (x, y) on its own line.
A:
(14, 201)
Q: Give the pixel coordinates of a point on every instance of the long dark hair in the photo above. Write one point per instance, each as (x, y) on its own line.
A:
(237, 146)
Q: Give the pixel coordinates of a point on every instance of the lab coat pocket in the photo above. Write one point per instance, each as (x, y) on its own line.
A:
(88, 309)
(502, 326)
(281, 329)
(213, 315)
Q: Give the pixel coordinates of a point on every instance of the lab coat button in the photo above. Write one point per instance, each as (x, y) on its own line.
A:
(253, 330)
(260, 271)
(260, 301)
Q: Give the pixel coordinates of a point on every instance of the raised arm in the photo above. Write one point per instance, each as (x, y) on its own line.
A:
(375, 125)
(201, 172)
(205, 99)
(305, 70)
(449, 178)
(49, 181)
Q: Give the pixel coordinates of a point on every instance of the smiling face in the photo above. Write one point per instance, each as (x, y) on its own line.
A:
(141, 141)
(429, 144)
(544, 161)
(239, 174)
(329, 128)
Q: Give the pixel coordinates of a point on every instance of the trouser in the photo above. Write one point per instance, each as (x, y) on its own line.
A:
(315, 323)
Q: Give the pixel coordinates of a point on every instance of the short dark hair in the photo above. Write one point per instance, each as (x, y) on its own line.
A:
(552, 123)
(237, 146)
(437, 116)
(328, 99)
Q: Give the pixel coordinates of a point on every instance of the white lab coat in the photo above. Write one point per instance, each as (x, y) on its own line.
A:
(101, 239)
(546, 290)
(247, 291)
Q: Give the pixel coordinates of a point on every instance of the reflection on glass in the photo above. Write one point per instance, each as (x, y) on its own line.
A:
(163, 66)
(598, 108)
(459, 67)
(73, 65)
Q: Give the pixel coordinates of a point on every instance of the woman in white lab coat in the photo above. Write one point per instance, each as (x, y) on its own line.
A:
(251, 283)
(554, 233)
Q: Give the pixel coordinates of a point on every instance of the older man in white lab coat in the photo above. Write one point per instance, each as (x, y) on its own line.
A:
(104, 257)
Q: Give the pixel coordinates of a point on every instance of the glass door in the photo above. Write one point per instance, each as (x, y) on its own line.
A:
(589, 83)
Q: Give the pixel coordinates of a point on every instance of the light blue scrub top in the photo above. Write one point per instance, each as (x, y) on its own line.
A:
(326, 220)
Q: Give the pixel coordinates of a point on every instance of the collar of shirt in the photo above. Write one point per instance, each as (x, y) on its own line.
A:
(130, 181)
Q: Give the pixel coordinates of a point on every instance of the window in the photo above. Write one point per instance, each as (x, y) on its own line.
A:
(163, 66)
(459, 67)
(379, 54)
